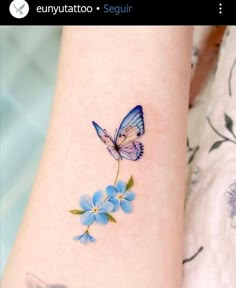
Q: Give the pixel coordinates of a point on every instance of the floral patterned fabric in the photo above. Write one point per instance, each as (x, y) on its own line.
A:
(210, 209)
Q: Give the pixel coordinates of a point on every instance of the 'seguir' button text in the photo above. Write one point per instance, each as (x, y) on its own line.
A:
(117, 10)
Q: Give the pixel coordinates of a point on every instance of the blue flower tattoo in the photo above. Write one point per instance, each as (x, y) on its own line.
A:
(120, 197)
(85, 238)
(95, 209)
(124, 145)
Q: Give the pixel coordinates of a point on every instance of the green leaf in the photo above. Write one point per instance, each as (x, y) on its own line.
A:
(193, 155)
(229, 123)
(110, 218)
(187, 142)
(216, 145)
(130, 183)
(77, 212)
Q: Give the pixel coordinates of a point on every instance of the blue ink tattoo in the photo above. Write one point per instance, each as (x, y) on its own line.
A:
(124, 145)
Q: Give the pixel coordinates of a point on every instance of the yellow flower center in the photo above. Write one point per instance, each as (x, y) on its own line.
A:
(120, 196)
(95, 210)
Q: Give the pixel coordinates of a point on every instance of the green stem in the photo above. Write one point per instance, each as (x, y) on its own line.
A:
(234, 135)
(193, 154)
(218, 133)
(117, 173)
(194, 256)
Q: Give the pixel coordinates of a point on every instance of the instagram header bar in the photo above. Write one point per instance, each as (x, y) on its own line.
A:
(130, 12)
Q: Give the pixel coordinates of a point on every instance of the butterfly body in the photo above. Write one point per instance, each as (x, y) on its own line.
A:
(124, 144)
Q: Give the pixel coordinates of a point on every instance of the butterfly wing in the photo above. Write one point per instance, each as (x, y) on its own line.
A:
(103, 135)
(124, 145)
(131, 127)
(131, 151)
(113, 151)
(107, 140)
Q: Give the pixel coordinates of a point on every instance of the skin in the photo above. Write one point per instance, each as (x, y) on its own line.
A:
(103, 73)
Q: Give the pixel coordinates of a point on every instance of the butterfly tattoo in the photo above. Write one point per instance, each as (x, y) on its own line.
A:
(31, 281)
(124, 144)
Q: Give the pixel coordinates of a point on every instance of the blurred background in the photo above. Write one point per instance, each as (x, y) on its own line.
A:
(29, 56)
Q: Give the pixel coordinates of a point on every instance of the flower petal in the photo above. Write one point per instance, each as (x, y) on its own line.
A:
(111, 191)
(129, 196)
(233, 187)
(230, 197)
(121, 186)
(87, 218)
(85, 202)
(115, 202)
(232, 211)
(97, 197)
(85, 238)
(126, 206)
(91, 238)
(81, 238)
(106, 206)
(101, 218)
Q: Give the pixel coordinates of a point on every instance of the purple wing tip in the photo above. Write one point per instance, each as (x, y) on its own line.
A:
(94, 124)
(137, 108)
(140, 107)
